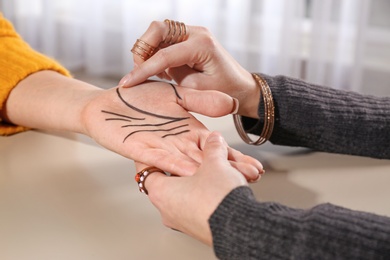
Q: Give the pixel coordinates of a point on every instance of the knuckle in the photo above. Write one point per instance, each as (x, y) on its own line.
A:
(156, 26)
(209, 41)
(207, 38)
(157, 29)
(203, 30)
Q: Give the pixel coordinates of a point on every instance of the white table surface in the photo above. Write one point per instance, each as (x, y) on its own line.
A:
(63, 197)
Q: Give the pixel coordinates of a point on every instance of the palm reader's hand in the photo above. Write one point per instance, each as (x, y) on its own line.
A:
(150, 123)
(195, 60)
(186, 203)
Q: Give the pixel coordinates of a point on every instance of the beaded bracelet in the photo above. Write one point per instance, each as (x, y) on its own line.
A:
(269, 115)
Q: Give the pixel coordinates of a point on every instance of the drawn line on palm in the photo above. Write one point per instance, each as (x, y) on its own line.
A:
(149, 127)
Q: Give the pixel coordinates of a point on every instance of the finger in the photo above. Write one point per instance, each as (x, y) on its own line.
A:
(156, 33)
(250, 172)
(207, 102)
(163, 34)
(215, 149)
(154, 36)
(152, 179)
(175, 164)
(186, 76)
(237, 156)
(192, 150)
(165, 76)
(173, 56)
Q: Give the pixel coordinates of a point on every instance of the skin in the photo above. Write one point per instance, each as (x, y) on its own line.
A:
(200, 62)
(188, 212)
(50, 101)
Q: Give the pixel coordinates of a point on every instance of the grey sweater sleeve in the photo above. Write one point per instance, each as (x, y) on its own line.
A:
(323, 119)
(326, 119)
(243, 228)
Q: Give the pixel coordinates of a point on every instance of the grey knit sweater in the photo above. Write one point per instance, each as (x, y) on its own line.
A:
(323, 119)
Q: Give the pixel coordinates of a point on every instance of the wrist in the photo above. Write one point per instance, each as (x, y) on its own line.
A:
(47, 100)
(82, 111)
(269, 115)
(250, 98)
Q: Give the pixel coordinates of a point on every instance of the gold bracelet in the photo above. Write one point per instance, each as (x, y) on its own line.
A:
(269, 115)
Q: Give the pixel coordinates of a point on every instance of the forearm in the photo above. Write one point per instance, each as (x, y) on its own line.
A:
(271, 230)
(50, 101)
(327, 119)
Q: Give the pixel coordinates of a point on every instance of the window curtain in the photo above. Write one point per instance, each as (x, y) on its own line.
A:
(325, 42)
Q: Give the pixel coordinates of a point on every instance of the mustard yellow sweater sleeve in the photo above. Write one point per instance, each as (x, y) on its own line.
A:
(17, 61)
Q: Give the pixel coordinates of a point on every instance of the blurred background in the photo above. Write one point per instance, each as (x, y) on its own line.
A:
(86, 205)
(340, 43)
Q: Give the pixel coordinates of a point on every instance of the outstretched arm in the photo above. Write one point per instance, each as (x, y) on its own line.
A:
(148, 123)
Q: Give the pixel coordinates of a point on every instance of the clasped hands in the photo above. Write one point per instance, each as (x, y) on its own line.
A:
(150, 124)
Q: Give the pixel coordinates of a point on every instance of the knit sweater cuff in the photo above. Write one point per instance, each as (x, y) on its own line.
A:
(17, 61)
(232, 207)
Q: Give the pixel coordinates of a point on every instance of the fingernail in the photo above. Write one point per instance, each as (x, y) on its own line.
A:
(236, 104)
(256, 180)
(124, 80)
(261, 172)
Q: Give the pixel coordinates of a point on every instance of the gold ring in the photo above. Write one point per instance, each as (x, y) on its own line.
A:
(143, 49)
(177, 32)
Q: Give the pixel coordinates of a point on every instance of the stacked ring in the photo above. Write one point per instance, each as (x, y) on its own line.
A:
(177, 32)
(141, 176)
(143, 49)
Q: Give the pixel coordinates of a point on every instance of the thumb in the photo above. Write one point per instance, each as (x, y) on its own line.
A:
(208, 102)
(215, 149)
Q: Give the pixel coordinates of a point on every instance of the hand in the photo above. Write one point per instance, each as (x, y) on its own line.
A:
(186, 203)
(150, 124)
(199, 62)
(48, 100)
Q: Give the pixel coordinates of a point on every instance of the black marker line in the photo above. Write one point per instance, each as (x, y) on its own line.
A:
(154, 130)
(177, 93)
(146, 112)
(161, 124)
(118, 119)
(116, 114)
(185, 131)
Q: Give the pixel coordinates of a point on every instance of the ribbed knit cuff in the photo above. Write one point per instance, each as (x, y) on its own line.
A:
(232, 207)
